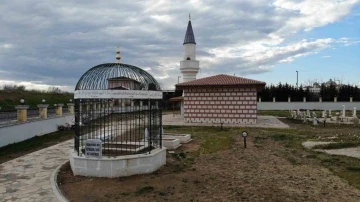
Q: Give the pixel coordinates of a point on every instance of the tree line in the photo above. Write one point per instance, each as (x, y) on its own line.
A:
(283, 91)
(22, 88)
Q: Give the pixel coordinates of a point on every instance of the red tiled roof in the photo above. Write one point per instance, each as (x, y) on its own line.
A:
(173, 99)
(221, 80)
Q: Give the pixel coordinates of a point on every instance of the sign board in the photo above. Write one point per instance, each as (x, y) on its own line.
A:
(117, 94)
(93, 148)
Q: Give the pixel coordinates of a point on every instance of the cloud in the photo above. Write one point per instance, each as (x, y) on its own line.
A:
(55, 42)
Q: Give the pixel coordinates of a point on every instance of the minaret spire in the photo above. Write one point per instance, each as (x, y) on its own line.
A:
(189, 66)
(118, 55)
(189, 36)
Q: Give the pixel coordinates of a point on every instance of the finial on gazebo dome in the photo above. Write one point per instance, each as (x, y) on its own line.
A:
(118, 55)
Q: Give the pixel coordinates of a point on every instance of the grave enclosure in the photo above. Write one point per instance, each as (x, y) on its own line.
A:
(118, 123)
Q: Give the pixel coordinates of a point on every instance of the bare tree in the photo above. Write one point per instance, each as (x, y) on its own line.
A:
(54, 89)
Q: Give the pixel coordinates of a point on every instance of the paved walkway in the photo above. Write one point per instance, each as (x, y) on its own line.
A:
(27, 178)
(262, 122)
(352, 151)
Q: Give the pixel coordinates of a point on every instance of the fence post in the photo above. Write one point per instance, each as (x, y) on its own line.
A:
(70, 107)
(335, 99)
(58, 109)
(259, 99)
(320, 99)
(274, 99)
(304, 99)
(289, 99)
(42, 110)
(351, 99)
(22, 112)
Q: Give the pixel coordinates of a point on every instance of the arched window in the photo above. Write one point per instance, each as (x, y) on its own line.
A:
(188, 58)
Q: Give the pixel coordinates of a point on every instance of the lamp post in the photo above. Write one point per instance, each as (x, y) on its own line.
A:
(43, 100)
(22, 101)
(297, 79)
(179, 78)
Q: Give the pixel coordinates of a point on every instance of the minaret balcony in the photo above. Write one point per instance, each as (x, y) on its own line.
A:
(189, 64)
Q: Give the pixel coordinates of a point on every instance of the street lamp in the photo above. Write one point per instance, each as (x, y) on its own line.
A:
(179, 78)
(22, 101)
(43, 100)
(297, 79)
(70, 100)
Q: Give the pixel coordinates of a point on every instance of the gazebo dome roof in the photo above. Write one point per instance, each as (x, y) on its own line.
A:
(97, 77)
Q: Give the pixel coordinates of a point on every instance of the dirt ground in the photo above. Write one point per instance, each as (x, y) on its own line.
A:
(267, 170)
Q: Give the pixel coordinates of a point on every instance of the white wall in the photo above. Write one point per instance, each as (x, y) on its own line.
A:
(307, 105)
(23, 131)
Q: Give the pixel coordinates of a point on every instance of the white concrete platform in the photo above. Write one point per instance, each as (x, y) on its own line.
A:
(118, 166)
(171, 143)
(184, 138)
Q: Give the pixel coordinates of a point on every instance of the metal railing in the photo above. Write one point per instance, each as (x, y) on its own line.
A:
(126, 128)
(8, 116)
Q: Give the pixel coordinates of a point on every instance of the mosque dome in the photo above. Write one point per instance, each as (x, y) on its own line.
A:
(117, 76)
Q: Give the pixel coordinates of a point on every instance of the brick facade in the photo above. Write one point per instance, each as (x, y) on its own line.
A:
(220, 104)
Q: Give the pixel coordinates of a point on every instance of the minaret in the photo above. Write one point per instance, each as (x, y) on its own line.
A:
(118, 55)
(189, 67)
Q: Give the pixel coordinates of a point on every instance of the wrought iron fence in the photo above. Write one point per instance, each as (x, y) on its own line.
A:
(51, 112)
(8, 116)
(128, 127)
(33, 113)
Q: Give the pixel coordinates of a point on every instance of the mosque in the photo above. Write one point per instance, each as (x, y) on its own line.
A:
(216, 99)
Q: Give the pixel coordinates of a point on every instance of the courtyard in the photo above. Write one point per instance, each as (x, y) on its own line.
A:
(215, 166)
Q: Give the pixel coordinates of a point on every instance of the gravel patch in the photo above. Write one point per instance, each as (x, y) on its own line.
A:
(352, 152)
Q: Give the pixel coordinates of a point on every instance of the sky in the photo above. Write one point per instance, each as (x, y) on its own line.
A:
(52, 43)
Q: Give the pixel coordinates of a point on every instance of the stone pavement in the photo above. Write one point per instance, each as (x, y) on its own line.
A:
(27, 178)
(262, 122)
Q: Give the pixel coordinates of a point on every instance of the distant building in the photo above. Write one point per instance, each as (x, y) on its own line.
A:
(316, 87)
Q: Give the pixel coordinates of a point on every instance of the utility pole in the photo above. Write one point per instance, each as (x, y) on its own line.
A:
(297, 79)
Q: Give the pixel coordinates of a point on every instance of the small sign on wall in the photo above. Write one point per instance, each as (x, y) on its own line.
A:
(93, 148)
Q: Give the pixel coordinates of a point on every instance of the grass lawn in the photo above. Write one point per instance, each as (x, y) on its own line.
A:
(216, 167)
(15, 150)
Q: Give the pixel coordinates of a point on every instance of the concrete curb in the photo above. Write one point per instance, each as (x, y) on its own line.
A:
(54, 185)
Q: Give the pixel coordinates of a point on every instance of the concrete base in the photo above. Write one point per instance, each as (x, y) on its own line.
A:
(171, 144)
(184, 138)
(119, 166)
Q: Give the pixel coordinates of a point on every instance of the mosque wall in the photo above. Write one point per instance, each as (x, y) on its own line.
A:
(220, 105)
